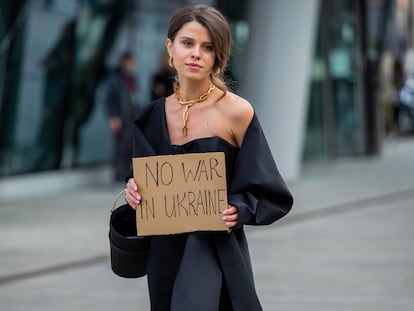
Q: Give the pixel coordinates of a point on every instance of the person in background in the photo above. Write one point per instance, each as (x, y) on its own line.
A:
(408, 62)
(162, 82)
(120, 100)
(398, 82)
(387, 91)
(204, 270)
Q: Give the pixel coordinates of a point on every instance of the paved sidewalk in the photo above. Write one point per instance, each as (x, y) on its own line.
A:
(345, 246)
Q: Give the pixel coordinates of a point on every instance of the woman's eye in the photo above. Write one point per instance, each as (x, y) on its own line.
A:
(187, 43)
(209, 48)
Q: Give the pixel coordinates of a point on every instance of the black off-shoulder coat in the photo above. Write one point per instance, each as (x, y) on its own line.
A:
(212, 271)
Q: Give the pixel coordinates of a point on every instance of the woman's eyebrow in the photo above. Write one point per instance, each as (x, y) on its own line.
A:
(190, 38)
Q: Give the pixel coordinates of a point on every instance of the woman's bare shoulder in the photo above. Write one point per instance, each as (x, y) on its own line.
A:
(239, 113)
(237, 108)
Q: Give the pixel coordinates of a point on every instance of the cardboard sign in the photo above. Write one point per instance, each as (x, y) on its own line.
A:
(181, 193)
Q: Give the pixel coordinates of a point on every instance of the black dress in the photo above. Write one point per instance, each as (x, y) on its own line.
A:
(212, 271)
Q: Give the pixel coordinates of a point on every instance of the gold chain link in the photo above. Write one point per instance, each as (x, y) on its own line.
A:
(190, 103)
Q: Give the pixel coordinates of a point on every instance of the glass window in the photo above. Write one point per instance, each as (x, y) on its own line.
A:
(53, 76)
(334, 119)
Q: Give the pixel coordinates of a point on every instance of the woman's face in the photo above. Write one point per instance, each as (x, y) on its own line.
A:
(192, 52)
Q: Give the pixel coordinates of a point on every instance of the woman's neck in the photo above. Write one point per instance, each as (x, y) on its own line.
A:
(191, 90)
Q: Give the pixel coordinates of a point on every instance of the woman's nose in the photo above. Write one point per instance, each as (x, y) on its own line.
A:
(196, 52)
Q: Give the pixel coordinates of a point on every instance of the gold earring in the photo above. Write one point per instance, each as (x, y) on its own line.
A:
(171, 62)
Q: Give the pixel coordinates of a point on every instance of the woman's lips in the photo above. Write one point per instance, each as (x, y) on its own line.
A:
(194, 66)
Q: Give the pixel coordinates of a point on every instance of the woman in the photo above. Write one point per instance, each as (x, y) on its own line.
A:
(208, 271)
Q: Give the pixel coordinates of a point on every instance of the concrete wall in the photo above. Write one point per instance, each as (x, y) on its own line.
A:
(276, 81)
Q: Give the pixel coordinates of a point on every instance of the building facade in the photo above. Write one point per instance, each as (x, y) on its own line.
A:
(310, 69)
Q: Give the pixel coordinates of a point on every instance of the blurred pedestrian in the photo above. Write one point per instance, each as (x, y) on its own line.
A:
(408, 64)
(387, 89)
(404, 103)
(120, 99)
(398, 82)
(208, 271)
(162, 82)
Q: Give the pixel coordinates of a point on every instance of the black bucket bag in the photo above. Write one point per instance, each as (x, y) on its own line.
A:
(129, 252)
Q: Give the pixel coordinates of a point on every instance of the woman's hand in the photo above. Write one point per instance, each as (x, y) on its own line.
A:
(230, 216)
(131, 193)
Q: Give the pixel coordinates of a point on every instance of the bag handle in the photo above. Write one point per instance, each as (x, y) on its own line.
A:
(113, 208)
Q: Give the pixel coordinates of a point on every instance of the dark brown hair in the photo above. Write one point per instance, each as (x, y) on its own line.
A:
(218, 29)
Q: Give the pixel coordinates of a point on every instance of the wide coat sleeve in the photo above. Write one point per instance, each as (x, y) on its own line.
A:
(256, 187)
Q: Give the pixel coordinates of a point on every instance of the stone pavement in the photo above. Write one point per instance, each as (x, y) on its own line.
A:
(347, 244)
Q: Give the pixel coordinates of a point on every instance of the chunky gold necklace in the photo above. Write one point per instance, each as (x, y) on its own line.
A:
(190, 103)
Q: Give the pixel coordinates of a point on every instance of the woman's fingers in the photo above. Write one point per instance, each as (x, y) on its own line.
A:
(131, 193)
(132, 185)
(230, 216)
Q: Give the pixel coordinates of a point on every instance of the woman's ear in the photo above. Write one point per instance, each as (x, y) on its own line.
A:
(168, 44)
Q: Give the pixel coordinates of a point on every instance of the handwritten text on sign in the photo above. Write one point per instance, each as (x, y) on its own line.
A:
(181, 193)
